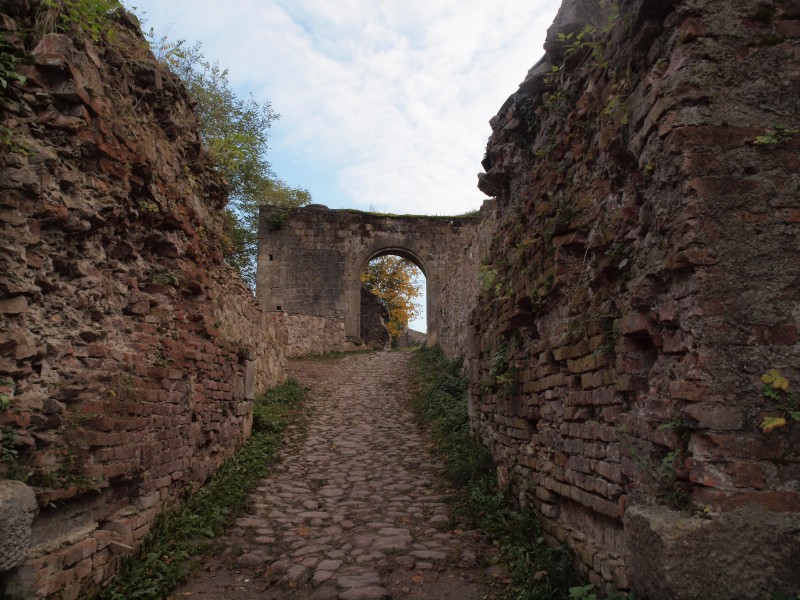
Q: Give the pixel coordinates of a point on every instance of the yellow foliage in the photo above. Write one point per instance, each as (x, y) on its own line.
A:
(774, 378)
(770, 423)
(392, 279)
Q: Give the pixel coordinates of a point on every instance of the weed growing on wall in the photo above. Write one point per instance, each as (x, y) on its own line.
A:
(165, 556)
(777, 135)
(8, 77)
(91, 17)
(776, 388)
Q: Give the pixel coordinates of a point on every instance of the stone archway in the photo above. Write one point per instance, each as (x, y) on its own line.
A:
(354, 280)
(310, 263)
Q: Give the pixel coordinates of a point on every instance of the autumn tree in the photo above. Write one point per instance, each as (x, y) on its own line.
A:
(393, 280)
(236, 133)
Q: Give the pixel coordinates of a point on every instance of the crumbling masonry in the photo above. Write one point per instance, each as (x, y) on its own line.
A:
(615, 306)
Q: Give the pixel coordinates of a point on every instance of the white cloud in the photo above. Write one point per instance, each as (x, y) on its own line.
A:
(386, 101)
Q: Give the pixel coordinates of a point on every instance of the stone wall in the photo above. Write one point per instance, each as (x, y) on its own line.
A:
(374, 316)
(310, 259)
(129, 351)
(308, 334)
(410, 338)
(461, 289)
(644, 275)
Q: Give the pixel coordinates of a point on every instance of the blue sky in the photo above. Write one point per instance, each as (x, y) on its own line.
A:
(384, 104)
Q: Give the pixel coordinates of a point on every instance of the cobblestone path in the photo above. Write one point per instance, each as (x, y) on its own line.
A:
(355, 509)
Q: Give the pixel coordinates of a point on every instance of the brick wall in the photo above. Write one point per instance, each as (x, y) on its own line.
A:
(129, 351)
(644, 275)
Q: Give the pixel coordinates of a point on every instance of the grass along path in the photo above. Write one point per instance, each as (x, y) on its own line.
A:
(538, 571)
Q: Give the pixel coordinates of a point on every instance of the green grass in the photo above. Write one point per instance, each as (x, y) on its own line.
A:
(537, 571)
(165, 556)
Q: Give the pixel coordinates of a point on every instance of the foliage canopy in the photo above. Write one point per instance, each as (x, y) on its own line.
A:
(236, 133)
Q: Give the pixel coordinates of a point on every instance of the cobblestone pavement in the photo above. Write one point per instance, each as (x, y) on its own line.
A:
(355, 510)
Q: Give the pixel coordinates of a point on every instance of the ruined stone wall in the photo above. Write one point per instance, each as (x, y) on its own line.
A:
(308, 334)
(129, 351)
(310, 259)
(643, 277)
(461, 289)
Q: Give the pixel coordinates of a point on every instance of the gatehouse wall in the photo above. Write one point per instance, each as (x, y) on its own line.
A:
(310, 259)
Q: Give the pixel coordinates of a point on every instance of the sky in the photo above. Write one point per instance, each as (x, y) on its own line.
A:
(384, 104)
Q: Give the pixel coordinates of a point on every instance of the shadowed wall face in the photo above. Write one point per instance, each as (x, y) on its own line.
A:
(643, 276)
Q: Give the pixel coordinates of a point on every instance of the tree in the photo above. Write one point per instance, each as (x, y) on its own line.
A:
(236, 133)
(393, 280)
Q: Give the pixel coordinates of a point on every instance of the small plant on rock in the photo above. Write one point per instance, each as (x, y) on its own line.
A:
(777, 135)
(776, 388)
(88, 16)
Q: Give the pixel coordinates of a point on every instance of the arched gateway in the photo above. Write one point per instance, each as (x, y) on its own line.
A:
(310, 261)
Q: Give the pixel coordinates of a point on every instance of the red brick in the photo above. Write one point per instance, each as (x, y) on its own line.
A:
(784, 334)
(675, 341)
(690, 29)
(746, 475)
(709, 135)
(701, 163)
(723, 501)
(586, 363)
(609, 471)
(695, 391)
(78, 551)
(690, 258)
(58, 581)
(707, 475)
(634, 323)
(752, 218)
(729, 446)
(606, 507)
(715, 416)
(716, 187)
(788, 28)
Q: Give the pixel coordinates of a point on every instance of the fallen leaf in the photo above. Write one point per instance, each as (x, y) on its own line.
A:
(418, 579)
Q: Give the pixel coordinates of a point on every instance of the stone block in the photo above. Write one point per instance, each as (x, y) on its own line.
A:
(746, 553)
(17, 510)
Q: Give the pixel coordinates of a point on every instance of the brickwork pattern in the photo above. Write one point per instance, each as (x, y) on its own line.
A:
(644, 271)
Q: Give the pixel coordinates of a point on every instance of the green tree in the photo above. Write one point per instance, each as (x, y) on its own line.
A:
(393, 280)
(236, 133)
